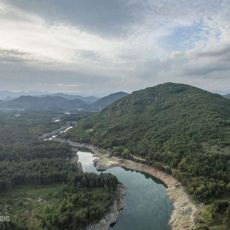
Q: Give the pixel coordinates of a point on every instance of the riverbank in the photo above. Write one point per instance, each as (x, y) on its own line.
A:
(111, 216)
(184, 212)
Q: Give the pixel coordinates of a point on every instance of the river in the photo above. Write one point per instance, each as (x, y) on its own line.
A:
(147, 204)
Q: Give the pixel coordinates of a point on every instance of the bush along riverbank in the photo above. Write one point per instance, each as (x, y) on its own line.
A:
(110, 217)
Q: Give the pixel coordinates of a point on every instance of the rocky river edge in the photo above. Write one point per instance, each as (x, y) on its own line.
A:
(111, 216)
(185, 211)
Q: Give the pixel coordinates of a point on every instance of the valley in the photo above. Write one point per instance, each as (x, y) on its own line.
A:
(165, 143)
(114, 115)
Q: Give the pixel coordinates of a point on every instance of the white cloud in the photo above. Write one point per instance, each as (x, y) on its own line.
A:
(56, 43)
(137, 59)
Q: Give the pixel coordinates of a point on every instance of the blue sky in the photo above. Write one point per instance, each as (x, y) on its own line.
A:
(183, 38)
(102, 46)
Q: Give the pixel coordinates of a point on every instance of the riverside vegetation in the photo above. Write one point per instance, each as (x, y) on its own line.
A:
(40, 188)
(177, 128)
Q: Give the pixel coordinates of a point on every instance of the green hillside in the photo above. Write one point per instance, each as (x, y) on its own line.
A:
(106, 101)
(177, 126)
(227, 96)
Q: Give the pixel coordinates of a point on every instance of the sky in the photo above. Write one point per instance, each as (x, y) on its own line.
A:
(96, 47)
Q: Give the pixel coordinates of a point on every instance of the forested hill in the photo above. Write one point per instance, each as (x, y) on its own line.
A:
(162, 121)
(46, 103)
(183, 127)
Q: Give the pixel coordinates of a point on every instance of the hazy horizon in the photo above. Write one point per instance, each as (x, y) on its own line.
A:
(44, 93)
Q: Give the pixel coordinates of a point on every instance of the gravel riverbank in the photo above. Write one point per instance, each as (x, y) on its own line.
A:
(184, 212)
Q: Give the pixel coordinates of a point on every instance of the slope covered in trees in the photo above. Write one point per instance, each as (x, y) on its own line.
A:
(173, 125)
(83, 199)
(46, 103)
(106, 101)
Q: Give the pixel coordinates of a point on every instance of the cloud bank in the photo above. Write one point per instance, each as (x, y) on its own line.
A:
(102, 46)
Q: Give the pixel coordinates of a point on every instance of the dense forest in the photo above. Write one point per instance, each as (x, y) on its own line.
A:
(84, 199)
(33, 166)
(178, 128)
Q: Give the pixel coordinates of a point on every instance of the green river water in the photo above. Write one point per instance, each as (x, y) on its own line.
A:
(147, 204)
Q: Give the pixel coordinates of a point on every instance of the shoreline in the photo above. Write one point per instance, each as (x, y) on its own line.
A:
(110, 218)
(185, 211)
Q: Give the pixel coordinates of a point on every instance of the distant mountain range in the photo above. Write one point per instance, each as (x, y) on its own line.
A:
(10, 95)
(46, 103)
(60, 102)
(89, 99)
